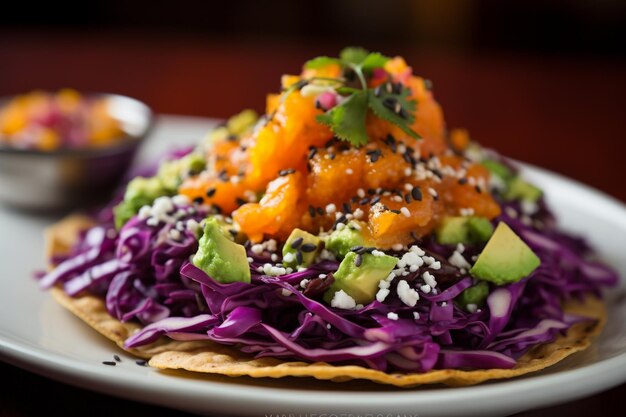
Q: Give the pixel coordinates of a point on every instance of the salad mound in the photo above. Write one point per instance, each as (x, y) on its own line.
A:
(348, 227)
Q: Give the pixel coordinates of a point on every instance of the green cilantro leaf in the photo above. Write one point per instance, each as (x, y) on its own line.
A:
(353, 55)
(321, 62)
(395, 108)
(347, 120)
(372, 61)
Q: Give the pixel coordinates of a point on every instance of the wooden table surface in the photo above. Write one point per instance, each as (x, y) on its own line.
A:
(562, 113)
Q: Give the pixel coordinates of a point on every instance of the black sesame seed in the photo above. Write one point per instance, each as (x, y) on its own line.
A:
(407, 158)
(347, 208)
(223, 175)
(312, 152)
(358, 261)
(374, 157)
(141, 362)
(463, 181)
(377, 91)
(109, 363)
(198, 200)
(320, 211)
(375, 200)
(428, 84)
(284, 172)
(312, 211)
(240, 201)
(390, 103)
(364, 201)
(413, 235)
(308, 247)
(371, 191)
(296, 243)
(299, 257)
(217, 209)
(329, 142)
(407, 198)
(356, 248)
(397, 88)
(390, 139)
(231, 138)
(395, 211)
(478, 189)
(331, 156)
(117, 358)
(318, 105)
(416, 193)
(437, 173)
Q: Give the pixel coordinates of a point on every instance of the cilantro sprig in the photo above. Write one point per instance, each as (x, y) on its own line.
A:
(390, 101)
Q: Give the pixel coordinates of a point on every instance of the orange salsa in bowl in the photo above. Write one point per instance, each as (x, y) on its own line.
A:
(66, 119)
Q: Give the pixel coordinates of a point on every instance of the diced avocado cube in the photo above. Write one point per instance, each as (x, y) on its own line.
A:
(498, 169)
(476, 295)
(463, 229)
(361, 282)
(505, 258)
(479, 229)
(240, 123)
(139, 192)
(301, 248)
(172, 172)
(341, 241)
(518, 189)
(222, 259)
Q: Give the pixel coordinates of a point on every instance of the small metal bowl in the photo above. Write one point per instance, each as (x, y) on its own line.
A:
(40, 180)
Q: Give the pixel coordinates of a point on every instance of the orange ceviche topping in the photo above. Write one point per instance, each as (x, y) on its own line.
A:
(355, 138)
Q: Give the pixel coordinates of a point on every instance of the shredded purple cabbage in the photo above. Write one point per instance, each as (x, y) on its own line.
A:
(145, 275)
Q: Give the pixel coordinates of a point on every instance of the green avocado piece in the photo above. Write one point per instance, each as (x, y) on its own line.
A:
(476, 294)
(341, 241)
(139, 192)
(505, 258)
(222, 259)
(171, 173)
(302, 242)
(498, 169)
(240, 123)
(463, 229)
(361, 282)
(518, 189)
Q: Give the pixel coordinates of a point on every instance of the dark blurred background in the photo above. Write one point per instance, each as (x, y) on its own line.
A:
(542, 81)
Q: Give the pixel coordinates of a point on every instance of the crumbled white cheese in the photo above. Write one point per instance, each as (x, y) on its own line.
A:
(285, 292)
(257, 249)
(425, 288)
(407, 294)
(342, 300)
(471, 308)
(181, 200)
(289, 257)
(392, 316)
(416, 315)
(382, 294)
(429, 279)
(459, 261)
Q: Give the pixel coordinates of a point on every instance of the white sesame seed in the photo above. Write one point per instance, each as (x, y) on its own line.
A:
(416, 315)
(321, 276)
(331, 208)
(405, 211)
(358, 213)
(250, 260)
(471, 308)
(397, 198)
(407, 172)
(360, 192)
(285, 292)
(328, 326)
(349, 171)
(340, 226)
(392, 316)
(397, 246)
(289, 257)
(432, 192)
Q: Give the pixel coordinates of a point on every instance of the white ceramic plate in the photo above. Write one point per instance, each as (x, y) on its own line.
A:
(39, 335)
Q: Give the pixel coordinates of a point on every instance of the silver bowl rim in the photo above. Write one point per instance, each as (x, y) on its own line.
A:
(130, 141)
